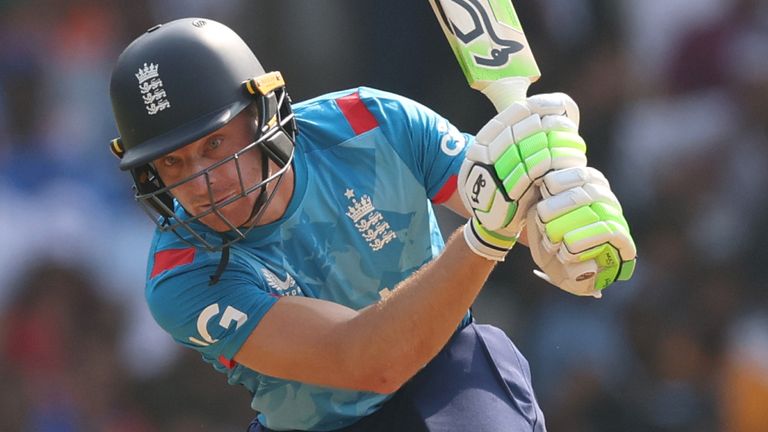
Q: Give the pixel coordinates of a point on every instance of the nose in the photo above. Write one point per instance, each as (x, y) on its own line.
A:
(198, 181)
(214, 183)
(201, 181)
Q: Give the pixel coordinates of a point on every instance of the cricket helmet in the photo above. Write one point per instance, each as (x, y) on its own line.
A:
(181, 81)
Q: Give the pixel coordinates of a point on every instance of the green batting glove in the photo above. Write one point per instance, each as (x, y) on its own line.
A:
(510, 156)
(578, 235)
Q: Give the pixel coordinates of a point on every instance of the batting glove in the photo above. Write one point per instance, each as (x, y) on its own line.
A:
(510, 156)
(578, 235)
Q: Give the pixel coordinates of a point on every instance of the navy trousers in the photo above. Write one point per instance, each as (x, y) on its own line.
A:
(479, 382)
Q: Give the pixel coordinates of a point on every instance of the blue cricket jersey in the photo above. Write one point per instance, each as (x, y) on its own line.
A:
(368, 166)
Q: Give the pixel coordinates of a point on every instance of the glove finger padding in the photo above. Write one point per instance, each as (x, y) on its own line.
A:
(581, 210)
(579, 221)
(569, 178)
(559, 104)
(594, 231)
(513, 152)
(569, 189)
(575, 278)
(558, 123)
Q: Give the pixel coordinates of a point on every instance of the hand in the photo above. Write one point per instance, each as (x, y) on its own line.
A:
(510, 155)
(578, 235)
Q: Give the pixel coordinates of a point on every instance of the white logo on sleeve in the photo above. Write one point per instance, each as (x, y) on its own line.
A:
(151, 87)
(452, 141)
(230, 315)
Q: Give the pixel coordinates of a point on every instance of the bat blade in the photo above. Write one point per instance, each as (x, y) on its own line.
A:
(488, 41)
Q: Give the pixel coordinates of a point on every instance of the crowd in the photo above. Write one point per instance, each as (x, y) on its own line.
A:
(674, 103)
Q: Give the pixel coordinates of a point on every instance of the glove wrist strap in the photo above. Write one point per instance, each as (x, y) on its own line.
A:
(487, 244)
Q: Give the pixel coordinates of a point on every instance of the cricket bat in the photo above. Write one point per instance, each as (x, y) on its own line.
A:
(489, 43)
(488, 40)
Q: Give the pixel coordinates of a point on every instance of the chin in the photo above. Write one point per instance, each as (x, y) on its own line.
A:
(236, 213)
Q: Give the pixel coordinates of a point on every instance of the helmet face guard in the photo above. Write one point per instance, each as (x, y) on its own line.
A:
(275, 141)
(178, 83)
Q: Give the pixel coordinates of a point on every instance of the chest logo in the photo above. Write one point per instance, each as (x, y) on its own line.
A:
(287, 287)
(369, 222)
(152, 91)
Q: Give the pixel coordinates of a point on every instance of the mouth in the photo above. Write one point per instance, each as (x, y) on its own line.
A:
(218, 203)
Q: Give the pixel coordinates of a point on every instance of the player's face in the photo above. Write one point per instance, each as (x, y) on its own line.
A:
(223, 182)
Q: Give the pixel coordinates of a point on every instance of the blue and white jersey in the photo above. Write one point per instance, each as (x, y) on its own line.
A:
(368, 166)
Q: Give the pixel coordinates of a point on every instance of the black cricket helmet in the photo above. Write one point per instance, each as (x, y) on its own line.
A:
(179, 82)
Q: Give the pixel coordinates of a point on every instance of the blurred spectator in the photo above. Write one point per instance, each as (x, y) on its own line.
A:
(21, 66)
(60, 338)
(652, 31)
(744, 381)
(707, 55)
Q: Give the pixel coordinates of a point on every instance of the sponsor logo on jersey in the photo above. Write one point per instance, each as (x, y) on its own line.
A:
(286, 287)
(369, 222)
(452, 141)
(229, 316)
(151, 88)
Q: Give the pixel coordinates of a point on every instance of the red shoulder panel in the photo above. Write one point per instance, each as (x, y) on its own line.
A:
(171, 258)
(357, 114)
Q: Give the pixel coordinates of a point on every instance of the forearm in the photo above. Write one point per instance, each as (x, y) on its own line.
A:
(401, 333)
(379, 347)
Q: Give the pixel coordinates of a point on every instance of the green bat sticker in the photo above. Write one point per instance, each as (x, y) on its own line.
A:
(487, 39)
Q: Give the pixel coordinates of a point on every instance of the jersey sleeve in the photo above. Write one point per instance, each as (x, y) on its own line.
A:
(430, 145)
(213, 319)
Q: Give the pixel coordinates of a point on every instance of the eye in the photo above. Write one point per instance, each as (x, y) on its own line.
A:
(170, 161)
(214, 143)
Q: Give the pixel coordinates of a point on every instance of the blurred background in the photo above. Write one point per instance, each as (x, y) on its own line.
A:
(674, 102)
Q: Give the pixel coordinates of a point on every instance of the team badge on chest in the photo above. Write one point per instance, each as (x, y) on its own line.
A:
(369, 222)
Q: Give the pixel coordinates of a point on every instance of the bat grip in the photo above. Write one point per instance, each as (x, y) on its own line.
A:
(506, 91)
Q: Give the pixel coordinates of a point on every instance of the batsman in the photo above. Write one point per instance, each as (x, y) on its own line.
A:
(297, 250)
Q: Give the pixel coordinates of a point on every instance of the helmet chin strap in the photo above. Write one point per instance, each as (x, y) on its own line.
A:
(259, 206)
(262, 201)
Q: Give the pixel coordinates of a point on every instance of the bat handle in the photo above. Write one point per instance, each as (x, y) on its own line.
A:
(506, 91)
